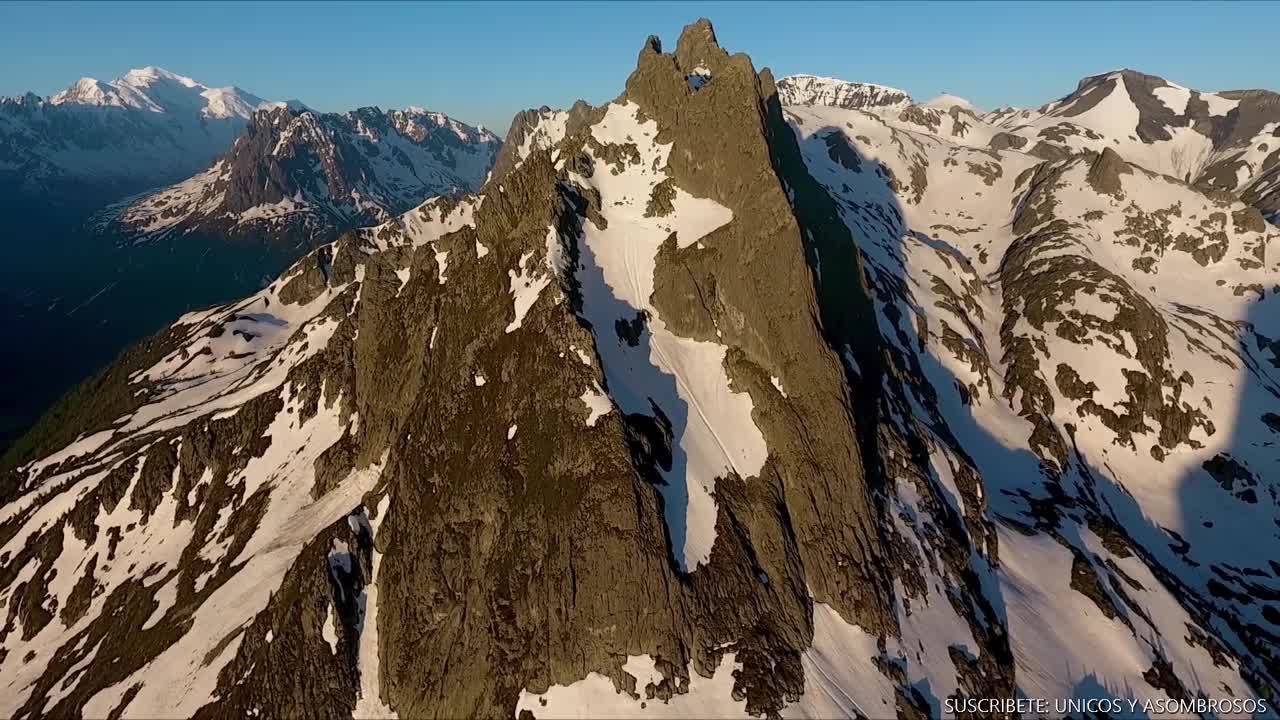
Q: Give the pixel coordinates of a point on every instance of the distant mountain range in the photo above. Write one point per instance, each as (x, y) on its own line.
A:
(96, 141)
(1228, 140)
(304, 176)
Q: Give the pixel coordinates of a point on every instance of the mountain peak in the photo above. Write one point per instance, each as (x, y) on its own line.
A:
(146, 75)
(946, 101)
(834, 92)
(155, 89)
(698, 38)
(1129, 75)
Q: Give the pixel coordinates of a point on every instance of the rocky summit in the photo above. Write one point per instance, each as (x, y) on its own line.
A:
(728, 397)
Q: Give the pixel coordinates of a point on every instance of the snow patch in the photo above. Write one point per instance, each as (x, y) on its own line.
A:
(596, 698)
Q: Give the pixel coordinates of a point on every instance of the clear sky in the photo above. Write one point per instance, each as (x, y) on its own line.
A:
(482, 62)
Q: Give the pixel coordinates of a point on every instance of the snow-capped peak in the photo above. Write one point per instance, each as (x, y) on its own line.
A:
(155, 89)
(833, 92)
(87, 91)
(143, 77)
(946, 101)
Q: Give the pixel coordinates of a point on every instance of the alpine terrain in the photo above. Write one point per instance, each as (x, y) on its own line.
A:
(106, 249)
(301, 175)
(728, 397)
(97, 141)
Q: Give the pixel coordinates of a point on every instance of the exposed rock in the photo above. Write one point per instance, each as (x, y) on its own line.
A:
(1105, 172)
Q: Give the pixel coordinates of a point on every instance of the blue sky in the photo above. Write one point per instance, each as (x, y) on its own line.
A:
(483, 62)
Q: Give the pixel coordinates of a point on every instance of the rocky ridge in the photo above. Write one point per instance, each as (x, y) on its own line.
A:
(300, 176)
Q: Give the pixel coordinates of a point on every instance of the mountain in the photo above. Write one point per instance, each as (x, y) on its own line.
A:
(305, 176)
(97, 141)
(946, 101)
(816, 90)
(1227, 141)
(702, 407)
(533, 130)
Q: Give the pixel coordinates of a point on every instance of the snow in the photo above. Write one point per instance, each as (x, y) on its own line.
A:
(230, 369)
(583, 355)
(67, 686)
(819, 90)
(143, 129)
(329, 632)
(1033, 578)
(777, 383)
(840, 678)
(396, 173)
(480, 381)
(526, 286)
(699, 77)
(269, 211)
(402, 274)
(165, 598)
(369, 701)
(442, 263)
(596, 698)
(1081, 641)
(158, 213)
(511, 431)
(1219, 105)
(1115, 116)
(946, 101)
(597, 402)
(686, 378)
(178, 681)
(548, 129)
(1175, 97)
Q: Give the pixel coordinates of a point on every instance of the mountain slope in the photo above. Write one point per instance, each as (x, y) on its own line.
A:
(533, 130)
(305, 176)
(1092, 341)
(701, 408)
(97, 141)
(1226, 141)
(816, 90)
(1223, 141)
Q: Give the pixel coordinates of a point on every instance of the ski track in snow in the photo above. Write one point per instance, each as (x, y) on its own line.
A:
(684, 377)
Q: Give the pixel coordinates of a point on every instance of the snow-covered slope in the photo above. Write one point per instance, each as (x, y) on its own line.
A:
(304, 176)
(1223, 140)
(538, 129)
(158, 90)
(703, 407)
(1227, 141)
(106, 139)
(817, 90)
(946, 101)
(1092, 344)
(947, 116)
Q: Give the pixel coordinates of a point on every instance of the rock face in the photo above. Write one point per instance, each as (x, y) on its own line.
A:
(701, 406)
(533, 130)
(295, 176)
(99, 141)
